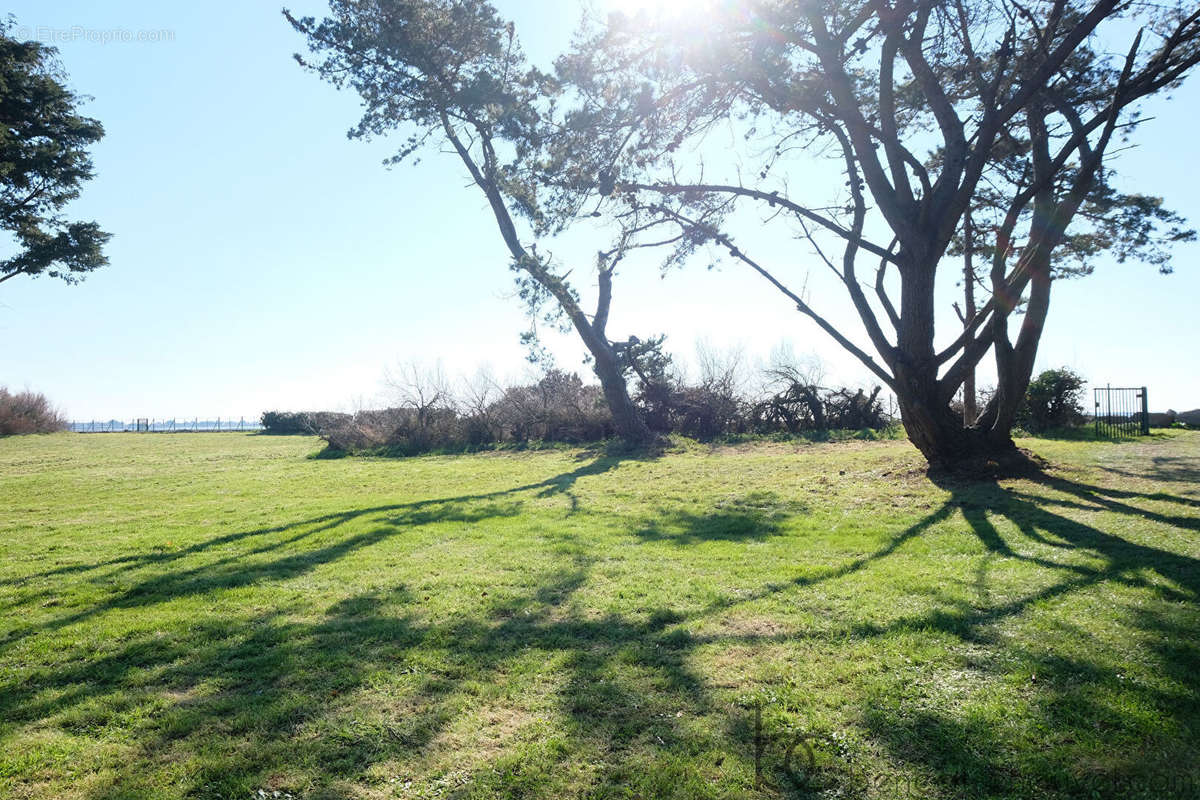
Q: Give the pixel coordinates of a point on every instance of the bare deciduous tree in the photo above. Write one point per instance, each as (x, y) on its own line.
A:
(424, 389)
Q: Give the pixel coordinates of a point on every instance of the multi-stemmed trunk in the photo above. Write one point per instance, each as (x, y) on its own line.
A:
(940, 435)
(924, 397)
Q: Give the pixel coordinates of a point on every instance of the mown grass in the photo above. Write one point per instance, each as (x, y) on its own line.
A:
(219, 615)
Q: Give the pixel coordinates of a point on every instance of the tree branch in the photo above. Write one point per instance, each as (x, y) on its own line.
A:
(772, 198)
(801, 306)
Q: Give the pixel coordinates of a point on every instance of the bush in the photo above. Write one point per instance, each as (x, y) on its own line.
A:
(713, 408)
(1053, 400)
(284, 422)
(797, 404)
(366, 430)
(28, 412)
(846, 410)
(429, 416)
(560, 407)
(791, 401)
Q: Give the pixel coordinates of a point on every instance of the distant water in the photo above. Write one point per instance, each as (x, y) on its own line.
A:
(175, 425)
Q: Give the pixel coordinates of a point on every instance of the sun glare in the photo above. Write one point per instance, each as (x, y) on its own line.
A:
(660, 8)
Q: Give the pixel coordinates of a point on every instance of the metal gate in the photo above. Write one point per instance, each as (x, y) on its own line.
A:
(1121, 412)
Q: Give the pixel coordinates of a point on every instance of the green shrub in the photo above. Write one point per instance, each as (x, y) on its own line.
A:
(1053, 400)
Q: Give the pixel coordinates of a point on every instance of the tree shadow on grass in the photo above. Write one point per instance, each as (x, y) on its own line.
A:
(460, 508)
(312, 707)
(1096, 733)
(278, 701)
(377, 689)
(1167, 469)
(753, 517)
(1085, 729)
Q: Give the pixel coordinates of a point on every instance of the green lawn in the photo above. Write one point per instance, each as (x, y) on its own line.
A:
(219, 615)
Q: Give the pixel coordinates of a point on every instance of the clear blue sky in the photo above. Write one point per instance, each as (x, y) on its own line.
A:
(261, 260)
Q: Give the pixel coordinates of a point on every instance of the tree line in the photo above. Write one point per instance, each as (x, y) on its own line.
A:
(429, 412)
(785, 398)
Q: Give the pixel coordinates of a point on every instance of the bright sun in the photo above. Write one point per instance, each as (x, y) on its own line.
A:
(656, 8)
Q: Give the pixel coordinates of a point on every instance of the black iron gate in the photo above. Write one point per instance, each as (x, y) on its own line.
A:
(1121, 411)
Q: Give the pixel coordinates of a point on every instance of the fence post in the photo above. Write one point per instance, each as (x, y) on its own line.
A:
(1145, 412)
(1108, 403)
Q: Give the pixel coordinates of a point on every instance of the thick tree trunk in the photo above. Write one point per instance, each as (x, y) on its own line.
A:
(627, 419)
(932, 426)
(940, 436)
(970, 409)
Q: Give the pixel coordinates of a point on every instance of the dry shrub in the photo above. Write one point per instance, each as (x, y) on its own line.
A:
(28, 412)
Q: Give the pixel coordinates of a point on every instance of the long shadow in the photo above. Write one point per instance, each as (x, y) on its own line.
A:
(1108, 498)
(558, 484)
(752, 517)
(247, 701)
(235, 572)
(251, 699)
(1168, 469)
(981, 758)
(1031, 512)
(980, 501)
(275, 702)
(976, 758)
(832, 573)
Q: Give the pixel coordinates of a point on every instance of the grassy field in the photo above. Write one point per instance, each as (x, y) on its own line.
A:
(222, 616)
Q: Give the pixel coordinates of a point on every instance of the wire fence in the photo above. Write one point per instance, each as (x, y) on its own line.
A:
(172, 425)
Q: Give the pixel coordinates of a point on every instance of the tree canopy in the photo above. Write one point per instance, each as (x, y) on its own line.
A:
(451, 73)
(43, 162)
(1003, 112)
(981, 129)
